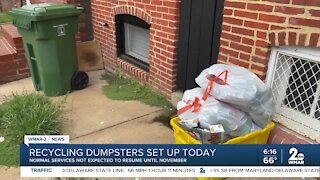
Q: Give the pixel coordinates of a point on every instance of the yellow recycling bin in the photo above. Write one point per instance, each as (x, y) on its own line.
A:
(255, 137)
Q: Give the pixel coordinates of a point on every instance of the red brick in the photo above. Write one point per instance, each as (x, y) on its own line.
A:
(231, 37)
(260, 52)
(170, 30)
(289, 10)
(146, 1)
(161, 57)
(161, 34)
(259, 60)
(174, 4)
(305, 22)
(170, 17)
(151, 7)
(8, 65)
(247, 41)
(243, 31)
(280, 1)
(226, 27)
(262, 77)
(240, 5)
(222, 61)
(229, 52)
(272, 18)
(314, 38)
(307, 2)
(238, 62)
(156, 2)
(262, 35)
(292, 38)
(272, 38)
(222, 57)
(263, 44)
(6, 58)
(282, 38)
(227, 12)
(240, 47)
(162, 9)
(19, 56)
(302, 39)
(314, 12)
(172, 49)
(245, 14)
(230, 20)
(18, 46)
(156, 14)
(168, 54)
(259, 68)
(244, 57)
(6, 74)
(224, 43)
(167, 65)
(256, 25)
(173, 24)
(273, 27)
(260, 7)
(161, 46)
(23, 71)
(174, 11)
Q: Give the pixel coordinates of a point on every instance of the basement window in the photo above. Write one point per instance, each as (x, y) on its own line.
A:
(133, 40)
(294, 76)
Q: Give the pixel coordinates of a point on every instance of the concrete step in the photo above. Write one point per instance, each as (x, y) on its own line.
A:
(11, 34)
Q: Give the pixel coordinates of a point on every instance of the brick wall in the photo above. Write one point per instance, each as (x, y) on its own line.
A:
(8, 4)
(163, 17)
(13, 64)
(250, 28)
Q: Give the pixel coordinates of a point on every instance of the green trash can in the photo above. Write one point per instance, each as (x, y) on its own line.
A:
(48, 31)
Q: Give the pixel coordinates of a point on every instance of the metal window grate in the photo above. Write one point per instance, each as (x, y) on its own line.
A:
(295, 86)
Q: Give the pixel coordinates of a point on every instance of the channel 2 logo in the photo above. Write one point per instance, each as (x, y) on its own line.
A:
(296, 158)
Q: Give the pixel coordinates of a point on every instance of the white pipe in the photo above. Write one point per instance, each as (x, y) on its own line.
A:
(28, 2)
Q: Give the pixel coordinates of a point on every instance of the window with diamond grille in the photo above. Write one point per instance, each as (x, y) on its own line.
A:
(295, 83)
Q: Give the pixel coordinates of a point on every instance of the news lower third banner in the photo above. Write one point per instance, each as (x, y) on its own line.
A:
(151, 160)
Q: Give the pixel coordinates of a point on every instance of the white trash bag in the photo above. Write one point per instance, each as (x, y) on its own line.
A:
(194, 111)
(239, 87)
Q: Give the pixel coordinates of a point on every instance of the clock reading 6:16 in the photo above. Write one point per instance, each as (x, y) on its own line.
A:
(270, 151)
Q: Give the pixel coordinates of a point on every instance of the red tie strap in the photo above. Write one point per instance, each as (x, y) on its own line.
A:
(215, 79)
(195, 104)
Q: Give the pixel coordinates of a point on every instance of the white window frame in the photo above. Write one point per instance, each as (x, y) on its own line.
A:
(288, 117)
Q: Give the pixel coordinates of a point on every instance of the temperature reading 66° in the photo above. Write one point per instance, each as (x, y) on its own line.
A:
(269, 160)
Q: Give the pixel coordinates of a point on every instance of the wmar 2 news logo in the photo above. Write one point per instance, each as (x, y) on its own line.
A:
(296, 158)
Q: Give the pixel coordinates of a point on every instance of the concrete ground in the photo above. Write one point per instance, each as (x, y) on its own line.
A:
(95, 119)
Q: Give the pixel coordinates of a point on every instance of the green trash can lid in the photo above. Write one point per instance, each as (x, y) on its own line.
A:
(23, 16)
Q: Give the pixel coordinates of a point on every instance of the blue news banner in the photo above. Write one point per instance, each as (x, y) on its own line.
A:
(169, 155)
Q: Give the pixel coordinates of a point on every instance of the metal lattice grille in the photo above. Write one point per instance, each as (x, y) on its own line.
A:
(295, 86)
